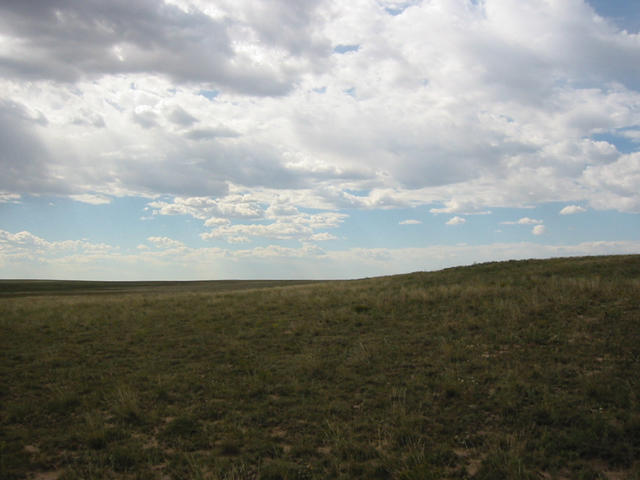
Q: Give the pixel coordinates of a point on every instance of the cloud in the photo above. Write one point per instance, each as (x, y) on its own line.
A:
(538, 230)
(215, 221)
(455, 205)
(91, 119)
(456, 221)
(210, 133)
(615, 184)
(210, 209)
(24, 160)
(75, 39)
(165, 242)
(523, 221)
(410, 222)
(322, 237)
(145, 117)
(26, 245)
(280, 209)
(181, 117)
(299, 227)
(9, 197)
(571, 209)
(238, 239)
(632, 133)
(91, 199)
(455, 107)
(24, 255)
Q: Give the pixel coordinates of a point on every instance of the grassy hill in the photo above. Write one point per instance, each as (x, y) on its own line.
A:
(513, 370)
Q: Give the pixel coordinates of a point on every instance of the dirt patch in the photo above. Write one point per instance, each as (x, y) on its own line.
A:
(53, 475)
(278, 432)
(473, 463)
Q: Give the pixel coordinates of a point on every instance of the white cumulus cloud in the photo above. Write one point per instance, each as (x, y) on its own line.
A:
(538, 230)
(456, 221)
(571, 209)
(165, 242)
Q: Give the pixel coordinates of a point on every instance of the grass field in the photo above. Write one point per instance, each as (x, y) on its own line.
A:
(30, 288)
(513, 370)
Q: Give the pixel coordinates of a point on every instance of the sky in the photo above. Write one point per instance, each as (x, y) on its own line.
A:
(320, 139)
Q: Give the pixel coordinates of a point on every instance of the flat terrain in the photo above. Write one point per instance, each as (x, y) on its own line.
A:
(513, 370)
(20, 288)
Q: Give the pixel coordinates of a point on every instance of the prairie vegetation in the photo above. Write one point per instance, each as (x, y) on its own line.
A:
(513, 370)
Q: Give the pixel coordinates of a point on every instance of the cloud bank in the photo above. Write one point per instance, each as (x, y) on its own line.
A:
(500, 99)
(163, 257)
(275, 121)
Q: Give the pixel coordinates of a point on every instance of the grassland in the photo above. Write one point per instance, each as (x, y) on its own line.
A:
(30, 288)
(515, 370)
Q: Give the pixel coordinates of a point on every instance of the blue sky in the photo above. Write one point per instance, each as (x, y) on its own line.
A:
(188, 139)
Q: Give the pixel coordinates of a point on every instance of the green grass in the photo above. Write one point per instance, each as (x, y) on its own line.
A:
(513, 370)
